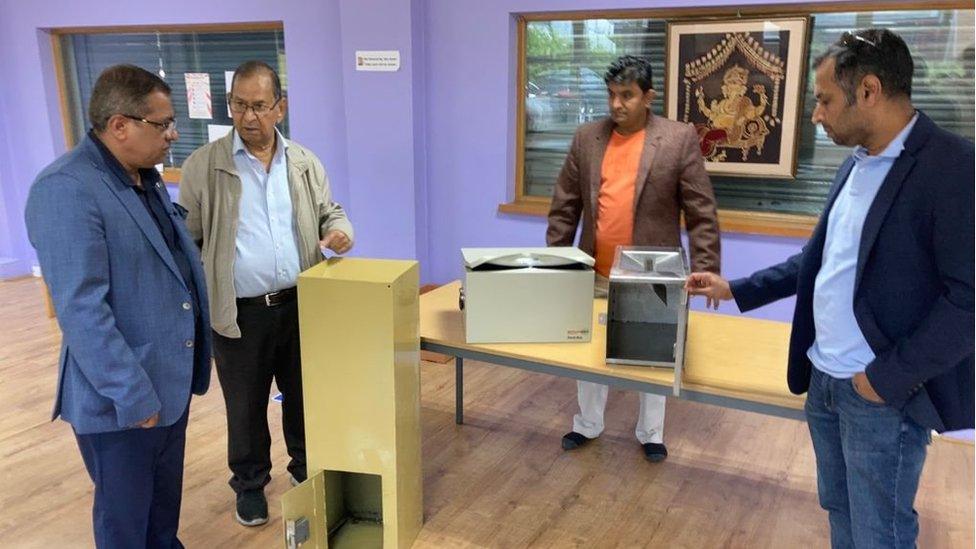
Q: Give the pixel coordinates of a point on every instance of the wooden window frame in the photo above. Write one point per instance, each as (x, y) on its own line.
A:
(170, 175)
(731, 221)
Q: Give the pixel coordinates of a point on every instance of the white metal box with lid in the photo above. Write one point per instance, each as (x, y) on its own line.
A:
(527, 295)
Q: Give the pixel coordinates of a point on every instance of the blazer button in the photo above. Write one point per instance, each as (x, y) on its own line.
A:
(189, 343)
(187, 306)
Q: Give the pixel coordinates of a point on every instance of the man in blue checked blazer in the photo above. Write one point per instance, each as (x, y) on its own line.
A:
(882, 338)
(129, 292)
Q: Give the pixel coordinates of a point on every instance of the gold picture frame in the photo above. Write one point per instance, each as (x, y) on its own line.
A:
(740, 82)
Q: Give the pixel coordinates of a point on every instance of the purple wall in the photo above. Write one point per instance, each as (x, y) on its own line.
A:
(421, 158)
(380, 129)
(9, 264)
(13, 240)
(420, 87)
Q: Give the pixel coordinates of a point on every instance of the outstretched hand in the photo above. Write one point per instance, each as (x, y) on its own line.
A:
(712, 286)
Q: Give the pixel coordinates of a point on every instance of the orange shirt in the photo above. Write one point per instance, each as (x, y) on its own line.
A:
(618, 176)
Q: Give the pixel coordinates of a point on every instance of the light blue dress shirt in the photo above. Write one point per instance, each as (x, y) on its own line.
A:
(267, 253)
(840, 349)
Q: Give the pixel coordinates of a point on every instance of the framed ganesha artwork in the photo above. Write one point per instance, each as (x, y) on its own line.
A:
(739, 83)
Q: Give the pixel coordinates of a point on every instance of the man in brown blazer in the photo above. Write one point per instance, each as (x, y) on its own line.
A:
(630, 177)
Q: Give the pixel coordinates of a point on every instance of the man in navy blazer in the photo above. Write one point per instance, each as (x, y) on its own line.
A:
(882, 337)
(128, 288)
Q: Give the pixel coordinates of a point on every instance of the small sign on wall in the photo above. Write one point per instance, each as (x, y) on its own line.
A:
(198, 95)
(378, 61)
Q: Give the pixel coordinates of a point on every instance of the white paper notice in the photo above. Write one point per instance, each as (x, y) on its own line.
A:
(216, 131)
(382, 61)
(228, 80)
(198, 95)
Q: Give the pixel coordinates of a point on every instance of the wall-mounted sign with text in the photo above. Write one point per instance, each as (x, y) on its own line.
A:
(378, 61)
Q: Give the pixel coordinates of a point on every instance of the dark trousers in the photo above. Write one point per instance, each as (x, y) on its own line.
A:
(138, 477)
(267, 349)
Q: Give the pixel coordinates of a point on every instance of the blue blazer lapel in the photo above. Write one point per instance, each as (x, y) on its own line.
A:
(139, 214)
(879, 209)
(189, 247)
(889, 191)
(820, 231)
(813, 255)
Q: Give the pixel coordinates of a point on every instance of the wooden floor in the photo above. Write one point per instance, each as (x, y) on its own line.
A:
(734, 479)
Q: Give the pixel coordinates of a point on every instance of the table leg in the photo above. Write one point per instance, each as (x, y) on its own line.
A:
(458, 390)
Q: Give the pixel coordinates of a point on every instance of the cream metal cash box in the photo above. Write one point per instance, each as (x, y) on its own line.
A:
(527, 295)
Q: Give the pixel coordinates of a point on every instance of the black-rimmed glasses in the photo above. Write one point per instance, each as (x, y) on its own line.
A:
(169, 126)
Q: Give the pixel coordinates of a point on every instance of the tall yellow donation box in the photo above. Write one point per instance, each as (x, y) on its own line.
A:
(360, 333)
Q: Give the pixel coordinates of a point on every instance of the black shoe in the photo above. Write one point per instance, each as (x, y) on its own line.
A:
(252, 508)
(574, 440)
(654, 452)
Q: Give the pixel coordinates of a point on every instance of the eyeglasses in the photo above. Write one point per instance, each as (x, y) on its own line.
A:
(260, 109)
(164, 127)
(850, 40)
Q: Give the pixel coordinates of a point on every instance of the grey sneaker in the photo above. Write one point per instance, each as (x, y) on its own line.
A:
(252, 508)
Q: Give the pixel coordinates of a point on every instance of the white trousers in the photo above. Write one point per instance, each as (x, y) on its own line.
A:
(593, 401)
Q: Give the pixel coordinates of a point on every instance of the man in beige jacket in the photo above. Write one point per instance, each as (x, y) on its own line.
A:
(260, 208)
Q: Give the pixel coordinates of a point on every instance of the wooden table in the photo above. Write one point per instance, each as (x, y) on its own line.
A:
(730, 361)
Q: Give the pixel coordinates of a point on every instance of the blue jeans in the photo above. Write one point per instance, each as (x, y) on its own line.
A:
(869, 460)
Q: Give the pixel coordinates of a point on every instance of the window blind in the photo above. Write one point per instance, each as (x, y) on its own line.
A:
(169, 54)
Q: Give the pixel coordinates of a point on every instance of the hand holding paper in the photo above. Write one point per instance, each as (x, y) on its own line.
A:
(336, 241)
